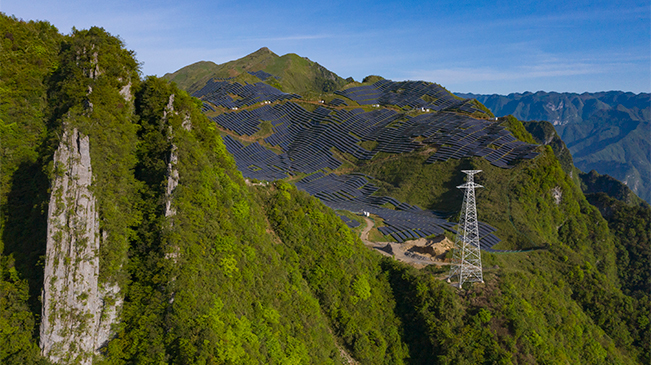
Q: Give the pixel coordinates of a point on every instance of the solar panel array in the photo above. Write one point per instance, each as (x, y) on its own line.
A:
(235, 95)
(349, 222)
(308, 137)
(262, 75)
(338, 102)
(309, 140)
(354, 193)
(413, 94)
(257, 162)
(205, 107)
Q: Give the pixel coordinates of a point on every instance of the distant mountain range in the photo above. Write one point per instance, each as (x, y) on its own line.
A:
(606, 131)
(565, 108)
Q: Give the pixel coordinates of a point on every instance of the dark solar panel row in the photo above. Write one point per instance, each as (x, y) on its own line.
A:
(353, 193)
(262, 75)
(412, 94)
(338, 102)
(257, 162)
(205, 107)
(364, 95)
(349, 222)
(402, 225)
(235, 95)
(308, 138)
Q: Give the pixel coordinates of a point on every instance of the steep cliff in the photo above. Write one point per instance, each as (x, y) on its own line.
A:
(90, 190)
(71, 300)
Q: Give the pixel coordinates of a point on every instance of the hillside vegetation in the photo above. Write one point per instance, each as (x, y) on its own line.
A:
(290, 73)
(212, 270)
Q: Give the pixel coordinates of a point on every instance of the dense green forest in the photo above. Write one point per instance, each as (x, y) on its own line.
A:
(211, 270)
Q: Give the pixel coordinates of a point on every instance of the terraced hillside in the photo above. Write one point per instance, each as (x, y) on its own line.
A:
(317, 145)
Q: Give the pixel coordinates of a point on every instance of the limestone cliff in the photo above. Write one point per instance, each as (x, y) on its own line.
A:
(86, 237)
(71, 300)
(172, 169)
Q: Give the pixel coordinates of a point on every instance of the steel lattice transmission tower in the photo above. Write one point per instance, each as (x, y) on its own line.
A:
(466, 262)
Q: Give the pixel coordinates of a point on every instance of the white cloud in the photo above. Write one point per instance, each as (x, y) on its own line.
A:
(461, 75)
(290, 38)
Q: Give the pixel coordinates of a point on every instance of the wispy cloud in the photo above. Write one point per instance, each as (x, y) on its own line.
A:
(303, 37)
(570, 18)
(454, 75)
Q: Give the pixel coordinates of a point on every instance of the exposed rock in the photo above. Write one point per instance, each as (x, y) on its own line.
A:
(112, 300)
(557, 194)
(172, 182)
(94, 71)
(187, 122)
(88, 105)
(172, 171)
(126, 92)
(172, 174)
(71, 299)
(77, 312)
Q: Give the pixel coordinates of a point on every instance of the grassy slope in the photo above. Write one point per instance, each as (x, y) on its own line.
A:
(194, 76)
(296, 74)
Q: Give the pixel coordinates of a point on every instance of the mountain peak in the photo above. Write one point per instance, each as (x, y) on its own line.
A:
(263, 52)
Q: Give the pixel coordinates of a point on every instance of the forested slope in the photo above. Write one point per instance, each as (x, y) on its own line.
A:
(211, 270)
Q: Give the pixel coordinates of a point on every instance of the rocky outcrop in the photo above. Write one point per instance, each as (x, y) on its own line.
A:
(78, 308)
(71, 298)
(172, 171)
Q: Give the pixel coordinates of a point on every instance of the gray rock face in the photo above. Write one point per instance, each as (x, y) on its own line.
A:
(77, 312)
(172, 171)
(71, 301)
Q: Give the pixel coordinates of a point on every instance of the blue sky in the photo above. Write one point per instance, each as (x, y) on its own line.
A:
(466, 46)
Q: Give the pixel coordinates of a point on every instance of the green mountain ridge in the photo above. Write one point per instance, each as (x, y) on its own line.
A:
(209, 269)
(291, 73)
